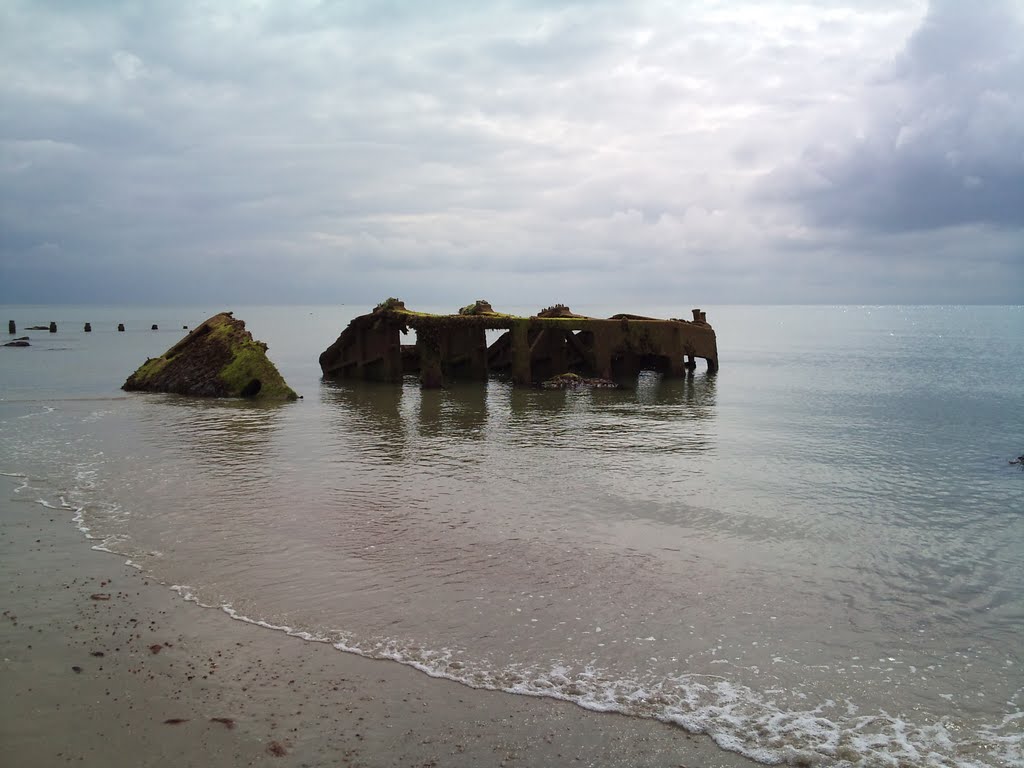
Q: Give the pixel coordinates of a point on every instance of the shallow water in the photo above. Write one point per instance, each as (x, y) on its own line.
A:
(817, 552)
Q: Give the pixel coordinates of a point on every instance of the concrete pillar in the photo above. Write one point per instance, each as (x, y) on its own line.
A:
(11, 327)
(88, 328)
(463, 352)
(703, 317)
(378, 352)
(696, 315)
(677, 367)
(521, 354)
(53, 327)
(628, 366)
(428, 348)
(602, 352)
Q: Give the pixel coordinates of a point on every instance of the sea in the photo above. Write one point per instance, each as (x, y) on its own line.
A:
(815, 556)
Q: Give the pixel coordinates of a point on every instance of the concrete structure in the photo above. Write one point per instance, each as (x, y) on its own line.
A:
(532, 349)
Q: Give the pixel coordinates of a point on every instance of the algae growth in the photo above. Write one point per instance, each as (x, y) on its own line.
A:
(218, 358)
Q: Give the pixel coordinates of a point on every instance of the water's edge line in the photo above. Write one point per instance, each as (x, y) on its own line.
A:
(182, 591)
(725, 740)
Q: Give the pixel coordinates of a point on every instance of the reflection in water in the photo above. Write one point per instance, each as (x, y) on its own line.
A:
(224, 450)
(390, 418)
(457, 413)
(370, 413)
(229, 432)
(695, 392)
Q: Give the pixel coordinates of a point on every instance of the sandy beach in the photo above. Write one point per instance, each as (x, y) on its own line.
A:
(104, 667)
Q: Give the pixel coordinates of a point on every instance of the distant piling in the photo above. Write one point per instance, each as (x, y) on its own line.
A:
(11, 327)
(53, 327)
(120, 327)
(88, 328)
(184, 327)
(154, 328)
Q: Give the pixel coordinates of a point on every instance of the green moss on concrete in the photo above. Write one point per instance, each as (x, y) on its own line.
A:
(478, 307)
(218, 358)
(150, 368)
(390, 303)
(250, 364)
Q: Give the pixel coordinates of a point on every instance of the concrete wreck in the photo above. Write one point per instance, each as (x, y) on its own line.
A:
(219, 358)
(555, 341)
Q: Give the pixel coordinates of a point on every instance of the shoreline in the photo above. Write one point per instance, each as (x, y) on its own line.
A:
(103, 666)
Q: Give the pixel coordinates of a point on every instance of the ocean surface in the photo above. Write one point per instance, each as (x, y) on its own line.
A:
(816, 554)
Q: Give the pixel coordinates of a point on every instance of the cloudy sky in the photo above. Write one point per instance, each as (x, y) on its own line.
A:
(525, 151)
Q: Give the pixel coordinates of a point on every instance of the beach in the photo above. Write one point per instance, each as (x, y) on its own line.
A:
(92, 681)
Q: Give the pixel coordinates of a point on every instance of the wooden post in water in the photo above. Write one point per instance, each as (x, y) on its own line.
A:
(11, 327)
(53, 327)
(120, 327)
(88, 328)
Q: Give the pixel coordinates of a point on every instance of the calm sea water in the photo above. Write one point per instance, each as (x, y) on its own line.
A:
(816, 554)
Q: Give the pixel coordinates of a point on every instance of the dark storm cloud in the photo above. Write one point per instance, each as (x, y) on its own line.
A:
(942, 141)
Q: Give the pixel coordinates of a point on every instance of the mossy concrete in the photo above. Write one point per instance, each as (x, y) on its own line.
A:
(218, 358)
(534, 348)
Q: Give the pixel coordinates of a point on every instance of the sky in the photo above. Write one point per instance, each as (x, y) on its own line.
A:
(530, 152)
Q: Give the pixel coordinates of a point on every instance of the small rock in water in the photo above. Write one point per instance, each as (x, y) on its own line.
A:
(572, 381)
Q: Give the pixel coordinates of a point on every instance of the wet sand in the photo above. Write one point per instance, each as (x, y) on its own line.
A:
(104, 667)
